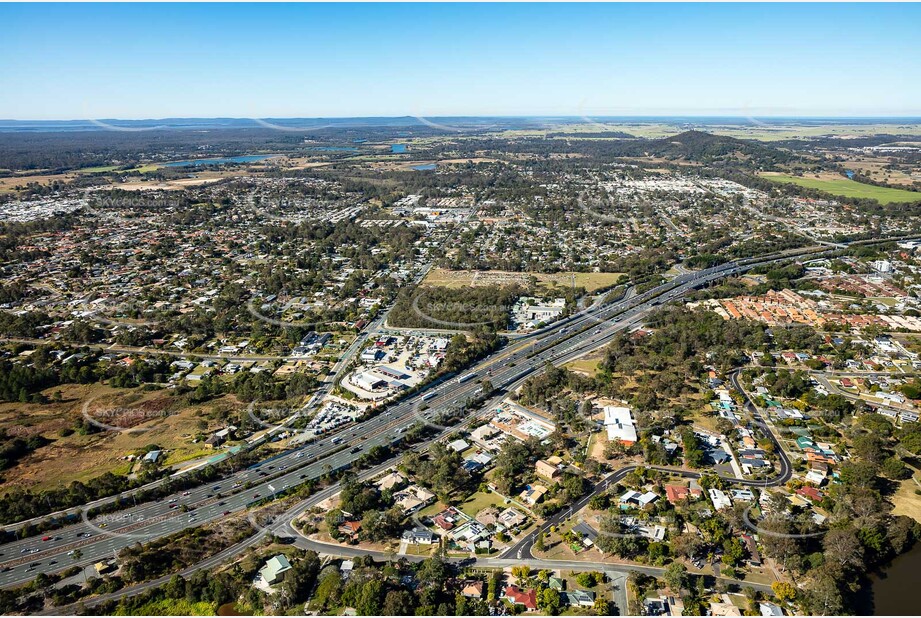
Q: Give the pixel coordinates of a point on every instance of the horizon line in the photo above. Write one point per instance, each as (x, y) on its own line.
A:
(585, 117)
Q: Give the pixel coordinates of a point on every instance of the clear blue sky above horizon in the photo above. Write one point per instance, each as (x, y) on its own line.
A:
(70, 61)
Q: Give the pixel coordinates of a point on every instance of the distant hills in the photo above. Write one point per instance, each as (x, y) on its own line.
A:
(701, 146)
(14, 126)
(705, 148)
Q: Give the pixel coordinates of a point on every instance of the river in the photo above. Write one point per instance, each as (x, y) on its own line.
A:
(219, 161)
(894, 591)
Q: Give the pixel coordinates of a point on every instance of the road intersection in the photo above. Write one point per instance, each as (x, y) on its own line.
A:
(569, 339)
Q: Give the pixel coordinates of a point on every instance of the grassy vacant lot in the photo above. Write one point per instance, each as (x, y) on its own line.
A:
(906, 501)
(462, 278)
(704, 418)
(877, 168)
(844, 187)
(148, 167)
(99, 168)
(7, 184)
(584, 365)
(177, 607)
(77, 457)
(478, 501)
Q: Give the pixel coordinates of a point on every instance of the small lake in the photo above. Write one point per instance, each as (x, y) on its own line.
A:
(229, 609)
(425, 167)
(219, 160)
(894, 590)
(398, 148)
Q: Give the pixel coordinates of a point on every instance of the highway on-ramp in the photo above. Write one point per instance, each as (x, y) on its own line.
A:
(505, 369)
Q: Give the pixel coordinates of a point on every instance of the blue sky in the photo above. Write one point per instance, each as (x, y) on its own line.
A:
(287, 60)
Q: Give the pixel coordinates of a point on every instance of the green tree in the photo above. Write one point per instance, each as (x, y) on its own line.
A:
(329, 589)
(589, 579)
(676, 577)
(733, 551)
(398, 603)
(370, 601)
(550, 601)
(603, 607)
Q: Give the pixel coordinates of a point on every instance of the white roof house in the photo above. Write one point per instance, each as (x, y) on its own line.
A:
(743, 495)
(459, 445)
(637, 498)
(619, 424)
(720, 500)
(815, 477)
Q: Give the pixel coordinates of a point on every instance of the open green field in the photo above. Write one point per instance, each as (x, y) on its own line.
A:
(97, 169)
(848, 188)
(478, 501)
(176, 607)
(148, 167)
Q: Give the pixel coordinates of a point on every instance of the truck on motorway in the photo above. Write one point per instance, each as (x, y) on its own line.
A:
(465, 378)
(428, 396)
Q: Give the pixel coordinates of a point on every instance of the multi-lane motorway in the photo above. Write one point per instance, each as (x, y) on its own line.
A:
(568, 339)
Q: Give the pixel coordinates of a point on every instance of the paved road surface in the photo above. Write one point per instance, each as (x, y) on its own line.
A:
(571, 338)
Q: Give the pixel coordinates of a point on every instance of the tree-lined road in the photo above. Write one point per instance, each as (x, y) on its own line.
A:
(569, 339)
